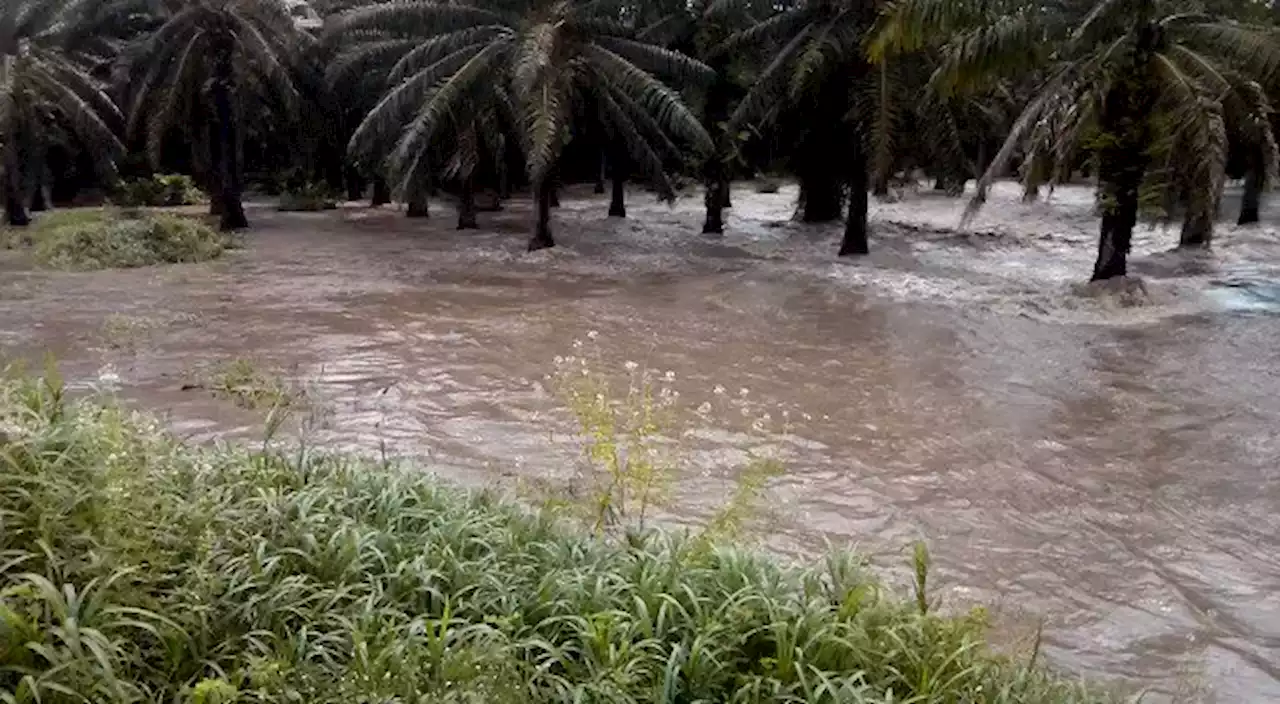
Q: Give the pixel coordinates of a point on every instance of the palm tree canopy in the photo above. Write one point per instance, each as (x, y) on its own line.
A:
(171, 65)
(45, 86)
(537, 62)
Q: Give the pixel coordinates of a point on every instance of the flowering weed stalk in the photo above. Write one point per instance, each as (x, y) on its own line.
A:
(627, 437)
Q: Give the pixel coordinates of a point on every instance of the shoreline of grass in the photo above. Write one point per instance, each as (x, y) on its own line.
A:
(136, 568)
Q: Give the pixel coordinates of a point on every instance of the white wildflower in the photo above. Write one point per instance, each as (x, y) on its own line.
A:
(577, 344)
(719, 390)
(705, 408)
(743, 391)
(669, 375)
(592, 335)
(631, 366)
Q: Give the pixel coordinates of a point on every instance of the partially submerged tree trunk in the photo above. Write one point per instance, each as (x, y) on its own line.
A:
(232, 215)
(714, 201)
(542, 230)
(1252, 197)
(855, 225)
(618, 199)
(467, 205)
(715, 176)
(600, 174)
(381, 192)
(1197, 229)
(821, 199)
(15, 210)
(418, 204)
(881, 188)
(38, 202)
(1122, 159)
(355, 184)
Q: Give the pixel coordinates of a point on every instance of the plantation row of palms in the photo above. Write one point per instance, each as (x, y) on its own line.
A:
(1158, 100)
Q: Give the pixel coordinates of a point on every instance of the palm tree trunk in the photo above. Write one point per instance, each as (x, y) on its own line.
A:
(1197, 229)
(1122, 159)
(714, 224)
(1252, 193)
(232, 215)
(618, 200)
(418, 204)
(15, 210)
(381, 193)
(821, 198)
(38, 202)
(354, 184)
(467, 205)
(855, 224)
(542, 233)
(882, 186)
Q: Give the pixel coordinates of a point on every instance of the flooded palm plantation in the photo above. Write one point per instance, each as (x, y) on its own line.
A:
(1112, 468)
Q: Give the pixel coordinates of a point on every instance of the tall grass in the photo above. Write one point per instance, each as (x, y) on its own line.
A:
(136, 569)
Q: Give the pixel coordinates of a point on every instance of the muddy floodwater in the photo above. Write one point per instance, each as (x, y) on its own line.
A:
(1113, 469)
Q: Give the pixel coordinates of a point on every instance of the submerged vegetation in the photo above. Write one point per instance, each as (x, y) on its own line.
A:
(1157, 101)
(134, 568)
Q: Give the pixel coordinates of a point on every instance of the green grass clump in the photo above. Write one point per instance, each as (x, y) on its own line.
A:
(134, 568)
(95, 238)
(254, 387)
(311, 197)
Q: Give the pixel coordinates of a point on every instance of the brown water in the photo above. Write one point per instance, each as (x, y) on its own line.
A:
(1115, 471)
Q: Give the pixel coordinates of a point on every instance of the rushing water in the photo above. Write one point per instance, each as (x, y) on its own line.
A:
(1114, 470)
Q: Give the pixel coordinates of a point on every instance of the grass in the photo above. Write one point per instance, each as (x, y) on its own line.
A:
(134, 568)
(82, 239)
(251, 385)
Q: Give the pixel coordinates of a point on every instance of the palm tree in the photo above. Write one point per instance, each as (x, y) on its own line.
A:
(539, 59)
(816, 68)
(1139, 85)
(46, 91)
(204, 65)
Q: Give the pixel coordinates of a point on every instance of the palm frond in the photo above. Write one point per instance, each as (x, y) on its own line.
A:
(81, 115)
(1255, 49)
(391, 112)
(661, 102)
(763, 94)
(1049, 93)
(768, 31)
(358, 61)
(625, 132)
(441, 102)
(266, 60)
(436, 48)
(659, 61)
(414, 19)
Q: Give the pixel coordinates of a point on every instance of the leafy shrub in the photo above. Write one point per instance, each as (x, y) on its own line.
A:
(135, 568)
(107, 239)
(159, 190)
(309, 198)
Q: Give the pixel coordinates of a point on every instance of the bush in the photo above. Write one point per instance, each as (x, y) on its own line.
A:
(107, 239)
(135, 568)
(159, 190)
(309, 198)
